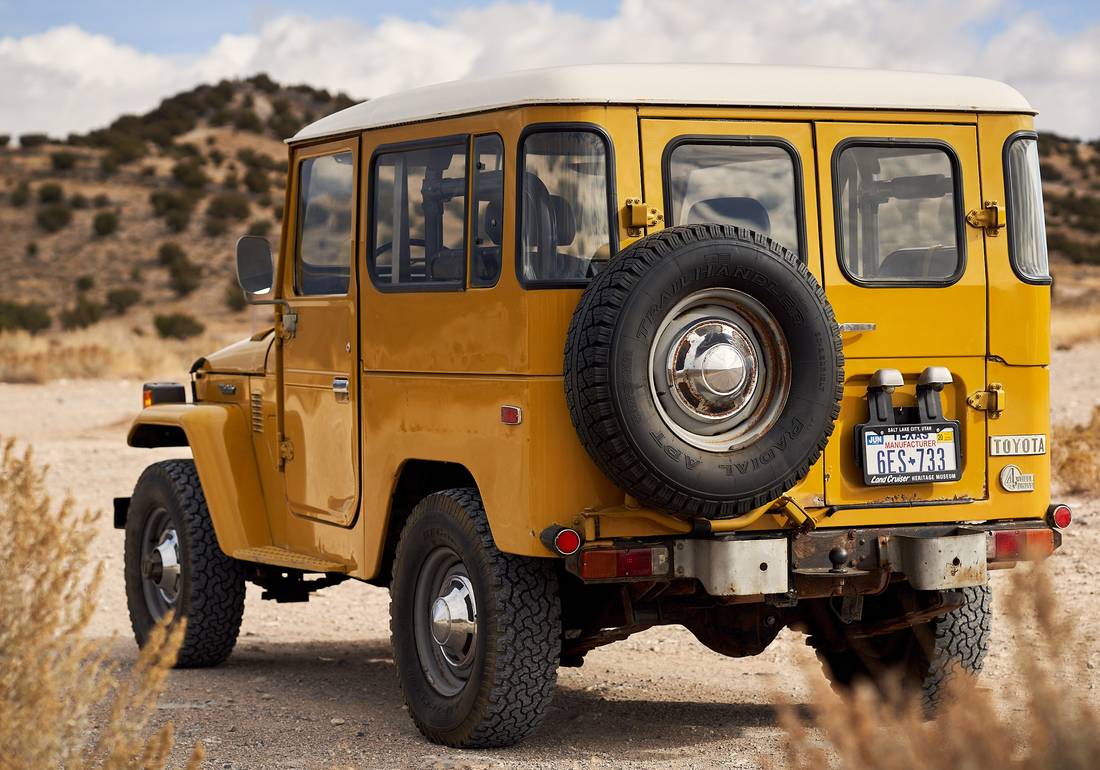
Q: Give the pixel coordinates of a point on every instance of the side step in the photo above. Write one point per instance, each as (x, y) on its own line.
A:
(282, 557)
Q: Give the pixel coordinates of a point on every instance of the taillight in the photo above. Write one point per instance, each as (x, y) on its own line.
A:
(611, 563)
(1059, 516)
(562, 540)
(1021, 544)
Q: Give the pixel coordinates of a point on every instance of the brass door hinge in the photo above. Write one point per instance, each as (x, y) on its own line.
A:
(639, 215)
(991, 401)
(288, 325)
(991, 218)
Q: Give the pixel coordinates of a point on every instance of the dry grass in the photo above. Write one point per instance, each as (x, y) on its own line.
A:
(1075, 455)
(1074, 324)
(1042, 721)
(53, 681)
(102, 351)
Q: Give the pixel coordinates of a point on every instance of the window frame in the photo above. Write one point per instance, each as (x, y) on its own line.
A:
(612, 207)
(409, 146)
(473, 213)
(1009, 208)
(313, 153)
(740, 140)
(960, 211)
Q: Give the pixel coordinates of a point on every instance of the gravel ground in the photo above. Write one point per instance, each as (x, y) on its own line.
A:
(312, 685)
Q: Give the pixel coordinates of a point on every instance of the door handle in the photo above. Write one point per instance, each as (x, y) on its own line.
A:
(340, 388)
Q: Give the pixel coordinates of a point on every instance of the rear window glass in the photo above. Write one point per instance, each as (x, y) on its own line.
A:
(565, 212)
(752, 186)
(419, 218)
(1027, 231)
(898, 220)
(325, 207)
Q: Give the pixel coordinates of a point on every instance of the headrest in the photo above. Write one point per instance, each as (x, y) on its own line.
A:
(745, 212)
(565, 222)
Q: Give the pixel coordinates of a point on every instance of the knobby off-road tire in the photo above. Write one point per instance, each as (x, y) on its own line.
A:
(209, 591)
(927, 656)
(505, 673)
(722, 449)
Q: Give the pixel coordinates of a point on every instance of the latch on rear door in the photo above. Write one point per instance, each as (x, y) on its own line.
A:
(990, 217)
(639, 215)
(991, 401)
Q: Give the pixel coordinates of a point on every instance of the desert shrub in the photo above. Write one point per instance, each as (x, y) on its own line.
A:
(121, 300)
(177, 221)
(260, 227)
(175, 208)
(82, 314)
(247, 120)
(263, 83)
(1043, 718)
(257, 181)
(148, 171)
(214, 227)
(56, 684)
(184, 276)
(78, 201)
(170, 253)
(32, 249)
(283, 124)
(135, 275)
(217, 157)
(28, 141)
(20, 195)
(231, 181)
(234, 296)
(1075, 455)
(1074, 250)
(53, 217)
(30, 317)
(227, 205)
(5, 140)
(264, 201)
(84, 283)
(50, 192)
(101, 201)
(105, 223)
(63, 160)
(177, 326)
(190, 174)
(108, 164)
(278, 212)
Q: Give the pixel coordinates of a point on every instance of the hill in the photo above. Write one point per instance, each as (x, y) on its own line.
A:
(139, 218)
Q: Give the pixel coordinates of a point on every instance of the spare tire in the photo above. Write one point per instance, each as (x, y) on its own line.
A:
(703, 370)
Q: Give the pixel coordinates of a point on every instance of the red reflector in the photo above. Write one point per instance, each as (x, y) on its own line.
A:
(603, 563)
(1023, 544)
(599, 563)
(1061, 516)
(567, 542)
(511, 415)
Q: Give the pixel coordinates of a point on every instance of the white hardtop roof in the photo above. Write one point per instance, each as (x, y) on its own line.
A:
(740, 85)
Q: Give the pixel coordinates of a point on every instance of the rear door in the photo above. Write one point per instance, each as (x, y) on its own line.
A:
(907, 279)
(754, 174)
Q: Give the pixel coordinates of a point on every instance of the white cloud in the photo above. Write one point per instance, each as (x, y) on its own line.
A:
(66, 79)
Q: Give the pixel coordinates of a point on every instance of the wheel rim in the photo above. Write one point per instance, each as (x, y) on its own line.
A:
(161, 569)
(719, 369)
(445, 621)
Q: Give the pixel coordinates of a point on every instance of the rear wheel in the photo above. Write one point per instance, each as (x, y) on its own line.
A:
(173, 563)
(927, 656)
(476, 633)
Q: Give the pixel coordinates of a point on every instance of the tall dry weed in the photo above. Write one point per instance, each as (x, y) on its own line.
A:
(53, 680)
(1042, 720)
(1075, 455)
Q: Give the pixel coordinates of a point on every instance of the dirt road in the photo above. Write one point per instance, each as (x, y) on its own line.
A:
(312, 685)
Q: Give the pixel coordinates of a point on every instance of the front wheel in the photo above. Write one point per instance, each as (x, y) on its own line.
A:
(476, 633)
(173, 564)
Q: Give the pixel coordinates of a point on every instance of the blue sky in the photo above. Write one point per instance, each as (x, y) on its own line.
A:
(72, 66)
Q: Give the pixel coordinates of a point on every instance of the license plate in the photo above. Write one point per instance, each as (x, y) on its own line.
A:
(910, 454)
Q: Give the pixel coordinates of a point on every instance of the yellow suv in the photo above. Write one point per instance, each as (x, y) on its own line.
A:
(566, 354)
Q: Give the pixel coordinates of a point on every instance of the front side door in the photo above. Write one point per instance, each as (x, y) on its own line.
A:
(754, 174)
(320, 375)
(906, 277)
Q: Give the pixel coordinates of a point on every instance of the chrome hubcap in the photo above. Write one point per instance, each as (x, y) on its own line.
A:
(161, 568)
(454, 621)
(719, 369)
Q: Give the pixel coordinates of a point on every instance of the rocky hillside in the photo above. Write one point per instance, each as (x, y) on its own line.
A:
(139, 219)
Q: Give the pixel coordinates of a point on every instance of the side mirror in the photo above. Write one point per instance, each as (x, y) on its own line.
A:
(255, 270)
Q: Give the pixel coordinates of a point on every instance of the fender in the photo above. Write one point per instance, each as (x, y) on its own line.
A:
(221, 444)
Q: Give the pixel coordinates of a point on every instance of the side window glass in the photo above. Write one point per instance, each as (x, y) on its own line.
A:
(566, 233)
(752, 186)
(1027, 230)
(418, 218)
(325, 204)
(488, 210)
(898, 220)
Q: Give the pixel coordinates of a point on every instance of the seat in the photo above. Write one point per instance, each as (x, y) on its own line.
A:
(739, 211)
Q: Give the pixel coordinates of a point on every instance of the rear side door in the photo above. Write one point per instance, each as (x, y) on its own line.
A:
(754, 174)
(907, 279)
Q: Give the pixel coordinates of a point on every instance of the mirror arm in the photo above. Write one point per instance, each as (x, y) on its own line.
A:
(287, 321)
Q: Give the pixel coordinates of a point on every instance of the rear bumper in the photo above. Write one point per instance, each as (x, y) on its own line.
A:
(783, 567)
